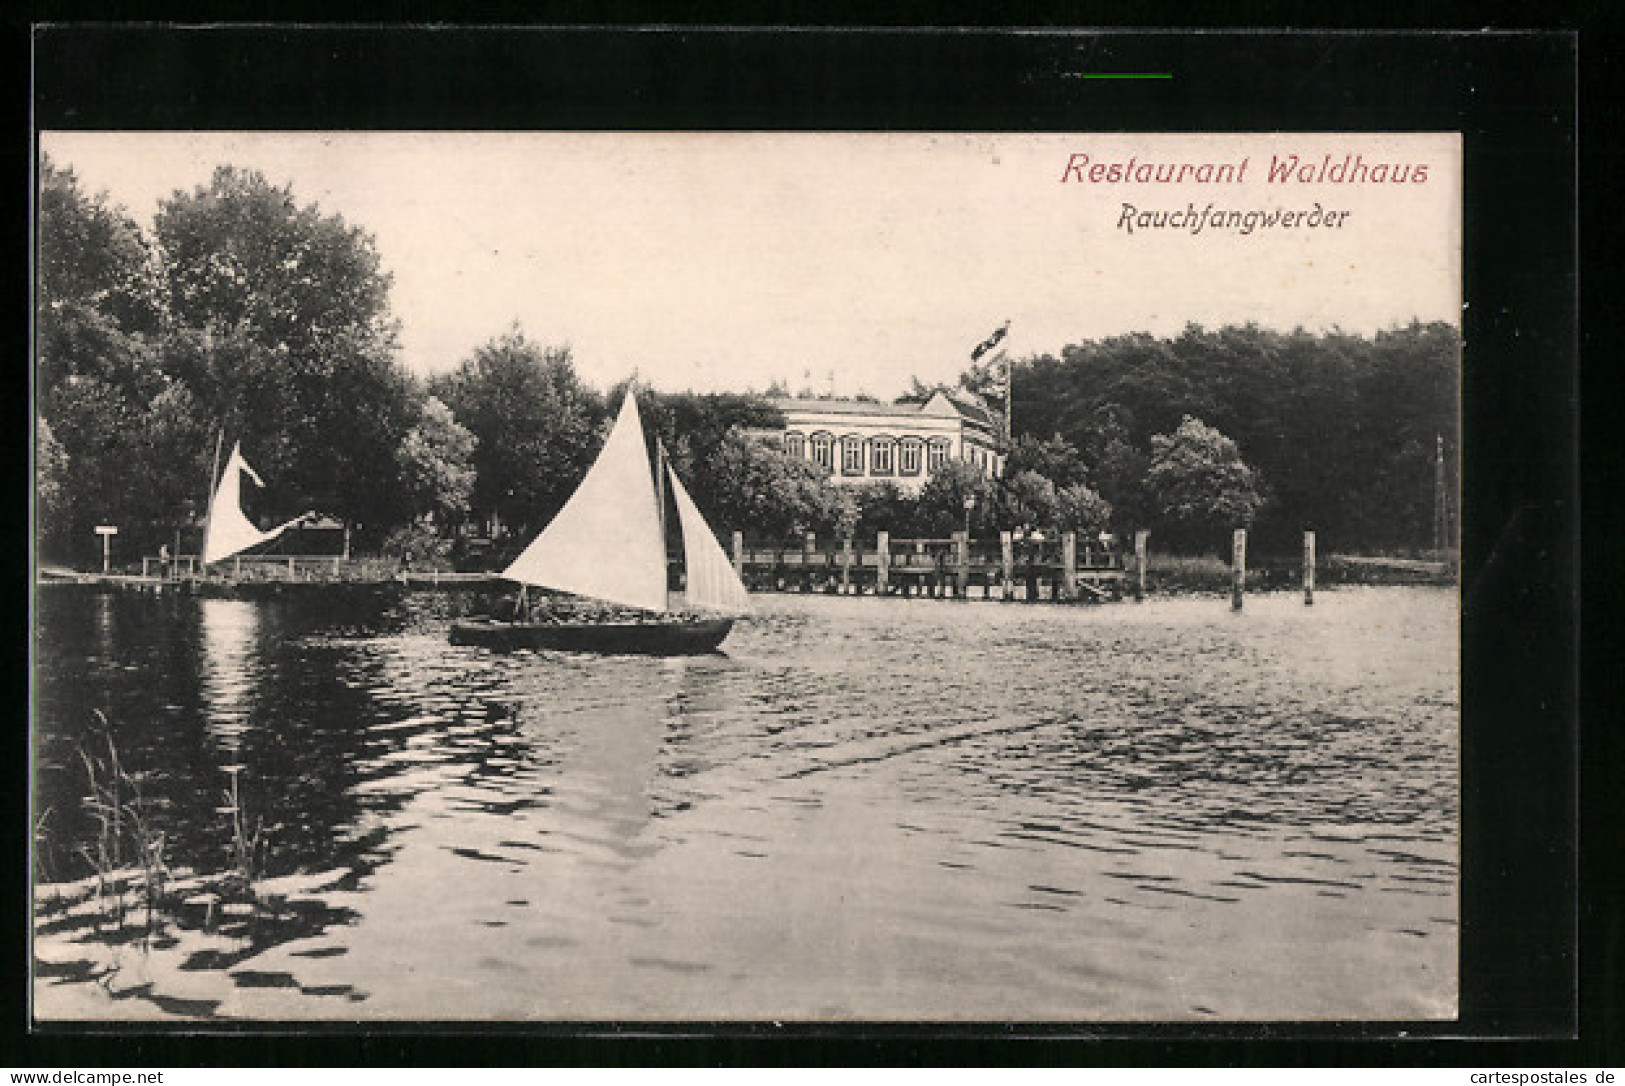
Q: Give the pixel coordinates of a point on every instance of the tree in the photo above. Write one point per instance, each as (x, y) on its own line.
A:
(436, 459)
(884, 507)
(1027, 498)
(1200, 484)
(1055, 458)
(242, 253)
(1080, 509)
(752, 485)
(96, 291)
(285, 333)
(537, 427)
(693, 425)
(126, 462)
(942, 500)
(92, 257)
(50, 469)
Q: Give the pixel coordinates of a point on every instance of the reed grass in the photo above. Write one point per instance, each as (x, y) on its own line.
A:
(247, 846)
(127, 841)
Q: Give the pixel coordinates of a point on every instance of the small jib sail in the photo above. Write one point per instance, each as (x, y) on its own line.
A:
(229, 531)
(712, 583)
(607, 542)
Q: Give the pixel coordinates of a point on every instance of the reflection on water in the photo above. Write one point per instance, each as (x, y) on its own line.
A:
(864, 809)
(228, 637)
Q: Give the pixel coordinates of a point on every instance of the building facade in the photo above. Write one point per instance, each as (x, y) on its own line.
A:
(862, 442)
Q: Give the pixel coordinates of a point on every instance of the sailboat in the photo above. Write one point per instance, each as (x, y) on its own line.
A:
(229, 532)
(608, 543)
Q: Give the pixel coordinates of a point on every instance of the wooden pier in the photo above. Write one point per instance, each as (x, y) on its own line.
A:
(1013, 566)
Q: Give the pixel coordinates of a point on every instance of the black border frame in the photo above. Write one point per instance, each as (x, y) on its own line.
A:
(1514, 96)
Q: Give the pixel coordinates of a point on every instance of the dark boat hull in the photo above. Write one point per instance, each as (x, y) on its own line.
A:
(689, 637)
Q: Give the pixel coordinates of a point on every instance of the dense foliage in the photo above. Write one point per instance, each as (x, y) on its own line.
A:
(1338, 430)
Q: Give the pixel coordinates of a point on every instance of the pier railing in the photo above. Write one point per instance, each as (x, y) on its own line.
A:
(1011, 566)
(265, 567)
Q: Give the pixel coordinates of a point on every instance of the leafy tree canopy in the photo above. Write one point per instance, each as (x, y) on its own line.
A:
(537, 427)
(241, 252)
(1200, 483)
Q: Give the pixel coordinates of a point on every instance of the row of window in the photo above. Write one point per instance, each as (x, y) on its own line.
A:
(887, 456)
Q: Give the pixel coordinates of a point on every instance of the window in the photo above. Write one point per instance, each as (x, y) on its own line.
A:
(880, 456)
(908, 456)
(938, 455)
(851, 455)
(795, 444)
(822, 447)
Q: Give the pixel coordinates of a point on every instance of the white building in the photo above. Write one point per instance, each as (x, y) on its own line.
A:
(863, 442)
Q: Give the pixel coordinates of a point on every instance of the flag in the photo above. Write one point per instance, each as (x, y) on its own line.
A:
(990, 342)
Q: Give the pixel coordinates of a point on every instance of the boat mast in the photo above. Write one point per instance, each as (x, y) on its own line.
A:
(660, 491)
(214, 482)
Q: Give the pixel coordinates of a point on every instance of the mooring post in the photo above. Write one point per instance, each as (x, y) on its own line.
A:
(1140, 537)
(1069, 566)
(1238, 567)
(1007, 562)
(882, 562)
(237, 568)
(739, 555)
(1309, 568)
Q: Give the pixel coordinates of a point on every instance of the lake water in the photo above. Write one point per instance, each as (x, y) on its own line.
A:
(864, 809)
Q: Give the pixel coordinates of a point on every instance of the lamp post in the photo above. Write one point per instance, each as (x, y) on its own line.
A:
(970, 504)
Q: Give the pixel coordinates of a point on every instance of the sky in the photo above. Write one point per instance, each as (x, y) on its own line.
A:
(842, 262)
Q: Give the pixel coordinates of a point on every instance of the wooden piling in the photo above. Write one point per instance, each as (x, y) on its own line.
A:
(882, 562)
(1069, 566)
(1238, 567)
(739, 555)
(1007, 555)
(1309, 568)
(962, 554)
(809, 547)
(1140, 538)
(846, 566)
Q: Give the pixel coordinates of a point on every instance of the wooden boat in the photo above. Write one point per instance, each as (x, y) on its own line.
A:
(608, 544)
(675, 637)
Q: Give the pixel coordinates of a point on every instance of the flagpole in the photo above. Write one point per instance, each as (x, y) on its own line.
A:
(1009, 382)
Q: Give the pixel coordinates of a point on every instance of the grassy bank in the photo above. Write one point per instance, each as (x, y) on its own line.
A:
(1169, 574)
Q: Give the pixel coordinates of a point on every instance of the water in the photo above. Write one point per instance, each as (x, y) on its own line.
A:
(866, 809)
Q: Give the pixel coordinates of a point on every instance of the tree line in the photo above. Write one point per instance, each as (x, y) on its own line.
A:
(247, 313)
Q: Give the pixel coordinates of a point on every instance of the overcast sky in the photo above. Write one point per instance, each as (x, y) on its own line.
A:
(725, 261)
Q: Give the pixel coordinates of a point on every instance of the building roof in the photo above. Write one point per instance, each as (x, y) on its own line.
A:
(843, 407)
(961, 404)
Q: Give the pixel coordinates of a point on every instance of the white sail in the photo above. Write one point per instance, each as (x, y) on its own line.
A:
(712, 582)
(229, 532)
(606, 541)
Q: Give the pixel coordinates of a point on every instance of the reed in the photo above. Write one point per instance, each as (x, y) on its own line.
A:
(125, 832)
(247, 846)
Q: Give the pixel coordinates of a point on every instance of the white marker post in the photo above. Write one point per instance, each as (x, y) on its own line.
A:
(107, 532)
